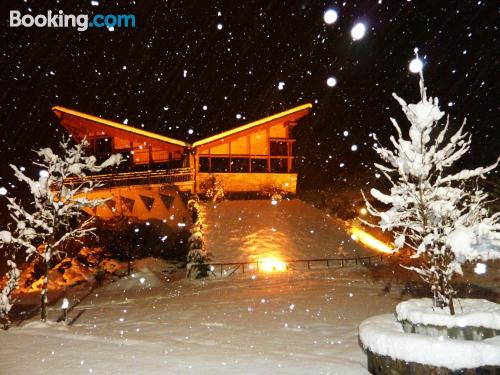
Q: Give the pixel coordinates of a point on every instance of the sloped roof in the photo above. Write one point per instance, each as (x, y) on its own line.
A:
(293, 114)
(58, 110)
(293, 111)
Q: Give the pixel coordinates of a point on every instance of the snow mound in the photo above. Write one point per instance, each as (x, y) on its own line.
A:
(249, 230)
(145, 276)
(470, 312)
(383, 334)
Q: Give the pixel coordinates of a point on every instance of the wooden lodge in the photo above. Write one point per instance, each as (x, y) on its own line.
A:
(248, 158)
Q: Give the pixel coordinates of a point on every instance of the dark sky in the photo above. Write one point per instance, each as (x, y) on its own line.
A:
(138, 74)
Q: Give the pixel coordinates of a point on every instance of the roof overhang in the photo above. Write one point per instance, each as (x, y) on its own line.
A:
(291, 116)
(79, 123)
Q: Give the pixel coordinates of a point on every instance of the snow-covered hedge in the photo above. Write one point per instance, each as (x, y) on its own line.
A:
(384, 335)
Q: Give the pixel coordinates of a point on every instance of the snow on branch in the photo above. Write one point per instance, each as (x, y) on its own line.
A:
(430, 211)
(54, 216)
(13, 276)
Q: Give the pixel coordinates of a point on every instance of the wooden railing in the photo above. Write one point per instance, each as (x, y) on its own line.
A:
(170, 176)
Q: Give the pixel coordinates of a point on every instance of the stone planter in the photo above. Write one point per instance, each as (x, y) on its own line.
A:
(422, 340)
(385, 365)
(459, 333)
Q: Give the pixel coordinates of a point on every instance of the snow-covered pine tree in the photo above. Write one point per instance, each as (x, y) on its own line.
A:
(433, 211)
(54, 216)
(13, 276)
(197, 254)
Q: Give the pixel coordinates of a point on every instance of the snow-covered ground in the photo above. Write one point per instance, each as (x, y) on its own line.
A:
(248, 230)
(289, 323)
(157, 322)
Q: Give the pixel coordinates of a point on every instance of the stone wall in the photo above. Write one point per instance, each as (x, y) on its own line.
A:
(460, 333)
(385, 365)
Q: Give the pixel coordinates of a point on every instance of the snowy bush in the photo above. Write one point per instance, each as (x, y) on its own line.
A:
(54, 216)
(197, 254)
(432, 210)
(5, 297)
(214, 188)
(274, 192)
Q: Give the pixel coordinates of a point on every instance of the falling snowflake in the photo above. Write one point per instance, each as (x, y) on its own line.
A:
(358, 31)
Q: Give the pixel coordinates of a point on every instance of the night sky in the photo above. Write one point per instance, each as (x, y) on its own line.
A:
(138, 74)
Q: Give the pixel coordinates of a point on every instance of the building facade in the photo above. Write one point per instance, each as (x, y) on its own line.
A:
(157, 169)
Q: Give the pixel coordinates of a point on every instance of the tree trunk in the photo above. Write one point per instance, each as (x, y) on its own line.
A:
(45, 288)
(451, 306)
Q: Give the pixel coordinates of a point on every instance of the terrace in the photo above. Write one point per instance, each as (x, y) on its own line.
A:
(182, 177)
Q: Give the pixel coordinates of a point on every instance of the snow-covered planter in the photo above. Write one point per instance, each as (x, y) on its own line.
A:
(393, 351)
(475, 319)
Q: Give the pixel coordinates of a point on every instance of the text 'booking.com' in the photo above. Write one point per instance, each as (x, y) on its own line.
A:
(81, 22)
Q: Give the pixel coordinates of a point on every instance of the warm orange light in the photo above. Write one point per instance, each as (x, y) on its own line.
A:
(271, 264)
(363, 211)
(357, 234)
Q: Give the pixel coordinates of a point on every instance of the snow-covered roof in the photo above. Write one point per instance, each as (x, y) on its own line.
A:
(296, 113)
(59, 110)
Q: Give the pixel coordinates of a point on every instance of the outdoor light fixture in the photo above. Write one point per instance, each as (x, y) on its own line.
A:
(359, 235)
(272, 264)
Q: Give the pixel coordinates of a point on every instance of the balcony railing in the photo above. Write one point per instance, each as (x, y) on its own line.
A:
(170, 176)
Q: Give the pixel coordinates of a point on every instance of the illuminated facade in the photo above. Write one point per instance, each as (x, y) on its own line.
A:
(157, 169)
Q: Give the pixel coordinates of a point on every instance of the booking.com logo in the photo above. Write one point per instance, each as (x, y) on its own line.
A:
(80, 21)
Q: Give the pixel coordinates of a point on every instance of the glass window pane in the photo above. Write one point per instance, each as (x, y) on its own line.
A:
(239, 165)
(259, 165)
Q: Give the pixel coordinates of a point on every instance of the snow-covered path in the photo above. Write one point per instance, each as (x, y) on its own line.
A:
(248, 230)
(290, 323)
